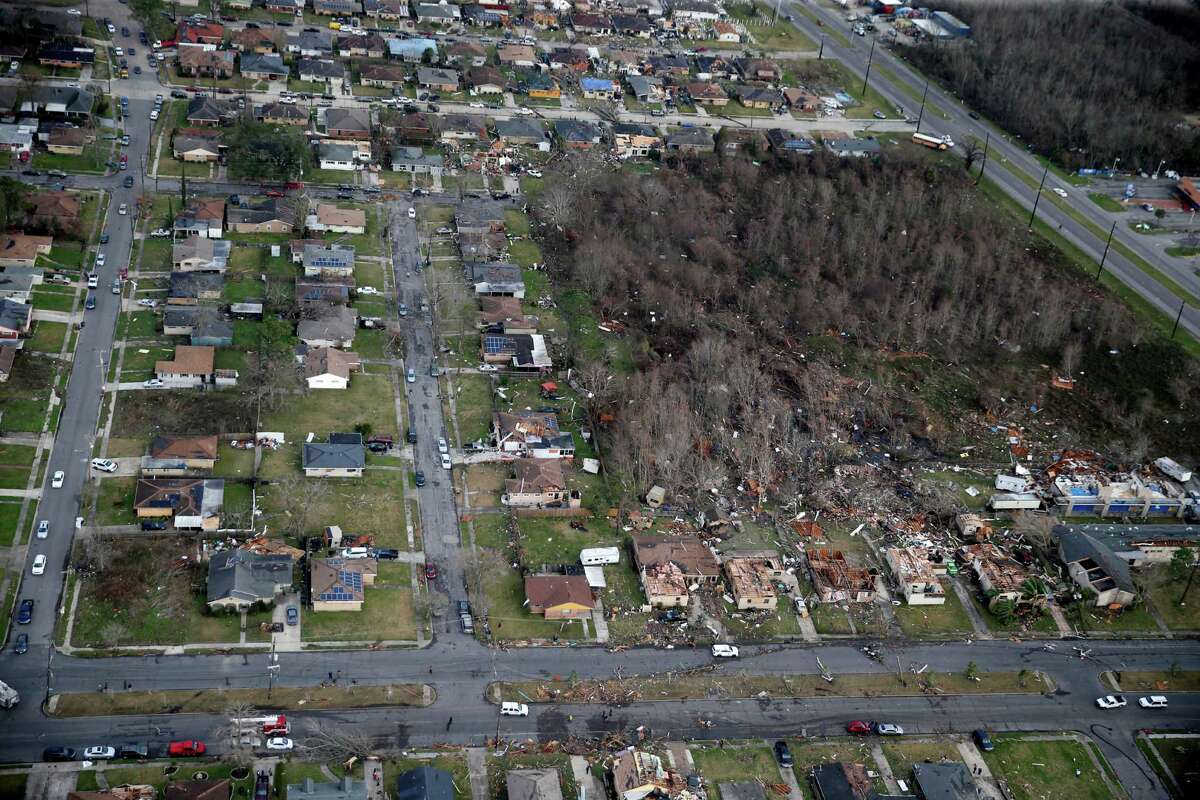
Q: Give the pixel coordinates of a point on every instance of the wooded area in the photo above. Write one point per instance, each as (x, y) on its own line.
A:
(1083, 83)
(759, 310)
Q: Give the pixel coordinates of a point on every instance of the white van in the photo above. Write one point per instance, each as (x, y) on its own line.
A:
(355, 552)
(595, 556)
(514, 710)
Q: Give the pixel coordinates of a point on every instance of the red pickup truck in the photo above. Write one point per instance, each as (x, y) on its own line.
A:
(188, 748)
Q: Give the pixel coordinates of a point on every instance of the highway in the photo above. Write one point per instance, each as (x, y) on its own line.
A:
(1006, 160)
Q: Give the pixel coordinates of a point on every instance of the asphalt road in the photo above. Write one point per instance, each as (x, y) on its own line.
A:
(1006, 157)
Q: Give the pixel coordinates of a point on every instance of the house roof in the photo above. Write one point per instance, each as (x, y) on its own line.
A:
(199, 447)
(345, 789)
(465, 48)
(945, 781)
(425, 783)
(465, 123)
(198, 790)
(253, 37)
(215, 251)
(706, 91)
(482, 76)
(536, 475)
(281, 111)
(186, 497)
(697, 137)
(328, 361)
(533, 784)
(577, 130)
(73, 101)
(635, 129)
(196, 58)
(335, 323)
(61, 205)
(187, 143)
(348, 119)
(194, 284)
(741, 790)
(189, 360)
(263, 63)
(23, 247)
(516, 52)
(520, 128)
(331, 215)
(195, 32)
(329, 151)
(7, 356)
(411, 47)
(336, 580)
(64, 136)
(1076, 544)
(209, 108)
(381, 72)
(687, 552)
(13, 315)
(549, 591)
(265, 209)
(322, 455)
(415, 155)
(327, 259)
(437, 75)
(322, 68)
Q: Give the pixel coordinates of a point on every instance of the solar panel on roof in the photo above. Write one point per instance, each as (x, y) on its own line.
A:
(496, 344)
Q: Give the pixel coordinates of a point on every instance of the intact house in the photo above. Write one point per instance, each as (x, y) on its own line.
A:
(200, 63)
(520, 131)
(758, 96)
(789, 143)
(199, 34)
(253, 40)
(437, 14)
(337, 8)
(263, 215)
(341, 457)
(328, 218)
(15, 319)
(852, 147)
(202, 325)
(691, 140)
(339, 584)
(334, 326)
(497, 278)
(264, 67)
(667, 565)
(237, 579)
(383, 76)
(948, 780)
(210, 112)
(486, 80)
(343, 157)
(916, 575)
(21, 250)
(836, 580)
(281, 114)
(707, 94)
(516, 55)
(334, 261)
(60, 103)
(17, 286)
(191, 503)
(52, 212)
(310, 43)
(759, 69)
(327, 368)
(365, 45)
(323, 290)
(752, 576)
(395, 10)
(539, 85)
(505, 315)
(344, 789)
(438, 79)
(193, 286)
(320, 70)
(348, 123)
(531, 434)
(196, 145)
(414, 160)
(559, 596)
(204, 218)
(191, 368)
(198, 254)
(599, 88)
(188, 453)
(539, 483)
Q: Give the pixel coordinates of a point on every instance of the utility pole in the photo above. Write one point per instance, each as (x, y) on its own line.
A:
(1104, 257)
(1037, 198)
(1178, 317)
(272, 669)
(921, 115)
(821, 52)
(867, 74)
(987, 139)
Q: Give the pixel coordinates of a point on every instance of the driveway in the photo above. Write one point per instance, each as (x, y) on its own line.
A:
(289, 640)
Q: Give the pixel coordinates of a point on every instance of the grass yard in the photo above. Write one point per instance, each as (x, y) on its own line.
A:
(46, 298)
(949, 619)
(9, 512)
(114, 501)
(473, 406)
(902, 755)
(367, 401)
(525, 252)
(370, 505)
(48, 336)
(387, 612)
(1181, 757)
(735, 763)
(1167, 680)
(1106, 202)
(233, 463)
(1038, 769)
(15, 463)
(485, 484)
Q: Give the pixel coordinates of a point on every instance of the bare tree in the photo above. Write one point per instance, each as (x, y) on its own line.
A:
(338, 742)
(300, 499)
(1038, 529)
(113, 633)
(972, 152)
(242, 738)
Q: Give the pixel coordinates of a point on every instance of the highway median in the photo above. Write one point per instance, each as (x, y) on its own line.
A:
(210, 701)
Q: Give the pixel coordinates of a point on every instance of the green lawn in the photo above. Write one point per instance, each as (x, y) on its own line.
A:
(473, 402)
(949, 619)
(1165, 597)
(387, 612)
(902, 755)
(9, 512)
(1106, 202)
(1039, 769)
(92, 160)
(370, 505)
(114, 504)
(53, 299)
(1183, 251)
(48, 336)
(735, 763)
(140, 324)
(367, 401)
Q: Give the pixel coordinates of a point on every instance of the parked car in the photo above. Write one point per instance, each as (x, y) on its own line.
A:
(442, 447)
(58, 754)
(983, 740)
(466, 623)
(431, 571)
(888, 729)
(153, 383)
(488, 368)
(279, 744)
(153, 525)
(133, 750)
(25, 611)
(39, 564)
(93, 280)
(858, 727)
(90, 303)
(351, 553)
(56, 482)
(104, 465)
(116, 286)
(43, 529)
(419, 478)
(293, 617)
(1112, 701)
(514, 710)
(22, 645)
(1153, 701)
(387, 553)
(446, 463)
(724, 651)
(412, 213)
(782, 754)
(186, 748)
(464, 606)
(100, 752)
(411, 376)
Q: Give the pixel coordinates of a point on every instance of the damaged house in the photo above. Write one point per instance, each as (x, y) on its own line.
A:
(193, 503)
(752, 577)
(669, 565)
(1101, 558)
(916, 575)
(531, 434)
(835, 580)
(539, 483)
(637, 774)
(1002, 579)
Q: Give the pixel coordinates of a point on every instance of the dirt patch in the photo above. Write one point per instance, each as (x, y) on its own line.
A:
(485, 482)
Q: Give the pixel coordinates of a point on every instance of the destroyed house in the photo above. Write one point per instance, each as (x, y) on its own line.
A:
(836, 581)
(916, 575)
(1001, 578)
(531, 434)
(190, 502)
(752, 578)
(693, 558)
(841, 781)
(1094, 567)
(637, 774)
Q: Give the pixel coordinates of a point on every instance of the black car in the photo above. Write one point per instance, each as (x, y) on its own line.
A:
(464, 607)
(387, 553)
(672, 615)
(58, 754)
(178, 93)
(137, 70)
(983, 740)
(25, 612)
(90, 303)
(124, 31)
(133, 750)
(419, 478)
(412, 435)
(433, 108)
(782, 754)
(22, 644)
(33, 173)
(104, 238)
(293, 615)
(154, 525)
(128, 182)
(262, 785)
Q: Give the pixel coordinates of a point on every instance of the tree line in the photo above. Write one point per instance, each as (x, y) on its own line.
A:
(1082, 83)
(746, 292)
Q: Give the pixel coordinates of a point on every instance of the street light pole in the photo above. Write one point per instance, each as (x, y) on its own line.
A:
(1159, 167)
(921, 114)
(1037, 198)
(867, 74)
(1178, 317)
(1104, 257)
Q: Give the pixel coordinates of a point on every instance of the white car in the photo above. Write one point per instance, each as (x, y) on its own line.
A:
(1153, 701)
(147, 303)
(524, 112)
(104, 465)
(488, 368)
(535, 173)
(724, 651)
(280, 743)
(56, 482)
(39, 564)
(411, 376)
(291, 101)
(100, 258)
(444, 230)
(99, 753)
(74, 12)
(111, 28)
(123, 209)
(446, 462)
(119, 52)
(1111, 701)
(514, 710)
(154, 115)
(888, 729)
(152, 383)
(43, 529)
(412, 213)
(442, 448)
(476, 105)
(160, 233)
(367, 290)
(79, 523)
(93, 280)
